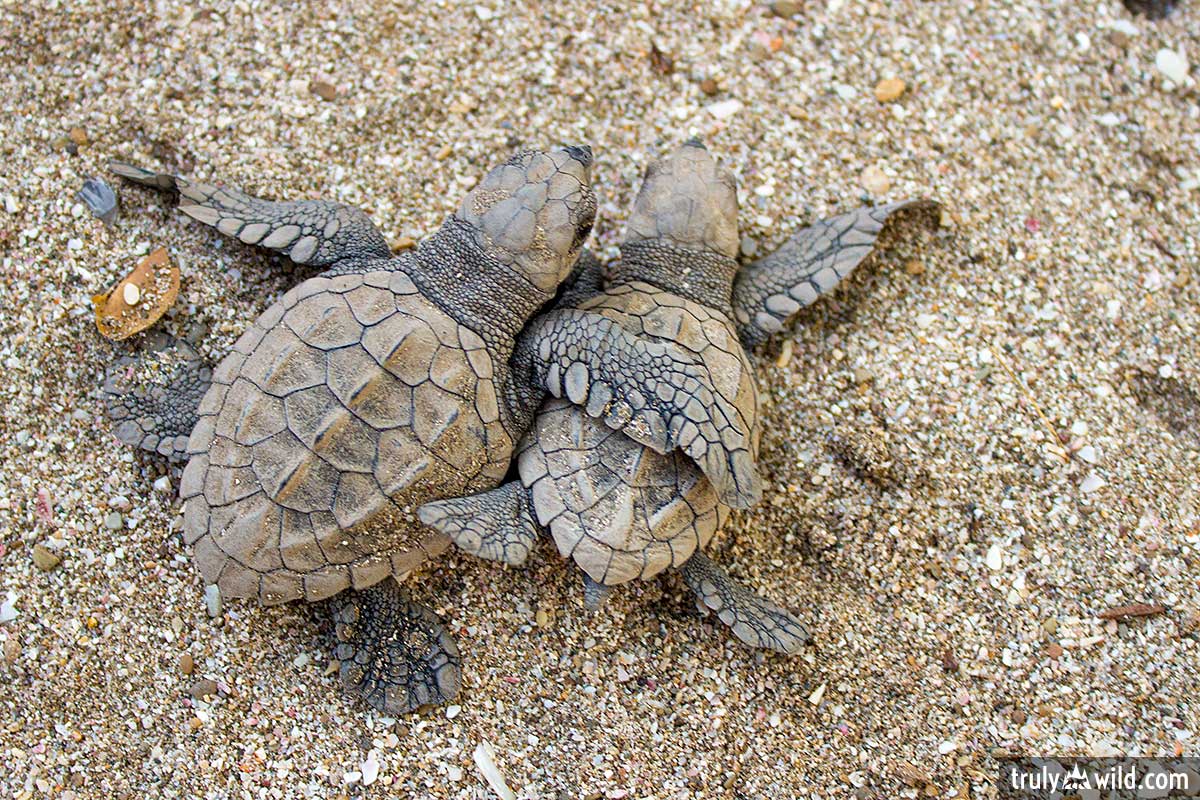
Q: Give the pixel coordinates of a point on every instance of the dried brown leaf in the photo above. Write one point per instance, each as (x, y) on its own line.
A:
(139, 299)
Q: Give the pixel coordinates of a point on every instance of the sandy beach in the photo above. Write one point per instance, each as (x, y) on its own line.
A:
(979, 453)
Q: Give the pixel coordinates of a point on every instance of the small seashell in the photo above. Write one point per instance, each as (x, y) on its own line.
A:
(139, 299)
(485, 760)
(100, 198)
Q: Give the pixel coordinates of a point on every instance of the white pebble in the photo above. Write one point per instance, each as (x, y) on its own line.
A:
(301, 660)
(947, 747)
(1166, 371)
(352, 777)
(453, 711)
(1087, 453)
(484, 13)
(163, 484)
(370, 768)
(11, 205)
(724, 109)
(8, 609)
(454, 773)
(994, 558)
(1172, 65)
(925, 320)
(1109, 120)
(1091, 483)
(815, 697)
(1079, 428)
(212, 600)
(131, 294)
(74, 244)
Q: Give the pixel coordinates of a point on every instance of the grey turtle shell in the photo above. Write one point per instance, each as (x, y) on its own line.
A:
(349, 402)
(621, 510)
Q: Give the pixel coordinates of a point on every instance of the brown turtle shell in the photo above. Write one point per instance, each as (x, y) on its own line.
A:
(349, 402)
(621, 510)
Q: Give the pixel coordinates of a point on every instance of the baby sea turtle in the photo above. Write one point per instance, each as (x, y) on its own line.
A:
(360, 394)
(625, 511)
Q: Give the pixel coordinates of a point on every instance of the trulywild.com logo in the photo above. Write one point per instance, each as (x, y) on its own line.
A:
(1052, 778)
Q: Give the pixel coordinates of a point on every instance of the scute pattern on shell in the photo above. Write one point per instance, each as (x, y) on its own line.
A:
(619, 509)
(349, 402)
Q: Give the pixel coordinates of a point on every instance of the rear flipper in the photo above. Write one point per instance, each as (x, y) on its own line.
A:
(496, 525)
(315, 232)
(769, 291)
(152, 397)
(396, 654)
(753, 619)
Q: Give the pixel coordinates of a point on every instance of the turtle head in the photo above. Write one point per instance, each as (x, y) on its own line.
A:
(688, 200)
(534, 212)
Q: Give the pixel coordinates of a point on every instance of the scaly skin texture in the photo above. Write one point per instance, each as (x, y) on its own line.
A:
(153, 399)
(622, 510)
(366, 391)
(755, 621)
(769, 292)
(315, 232)
(394, 653)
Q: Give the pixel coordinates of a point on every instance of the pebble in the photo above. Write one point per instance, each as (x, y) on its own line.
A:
(709, 87)
(44, 559)
(1172, 65)
(212, 600)
(453, 711)
(12, 650)
(874, 180)
(816, 697)
(403, 243)
(324, 90)
(163, 484)
(914, 267)
(186, 663)
(205, 687)
(78, 136)
(131, 294)
(724, 109)
(114, 521)
(785, 353)
(995, 558)
(370, 768)
(1091, 483)
(301, 661)
(8, 609)
(1054, 650)
(786, 8)
(889, 89)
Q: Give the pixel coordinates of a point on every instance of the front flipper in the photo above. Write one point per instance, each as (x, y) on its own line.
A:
(153, 397)
(315, 232)
(654, 392)
(769, 291)
(756, 621)
(496, 525)
(396, 654)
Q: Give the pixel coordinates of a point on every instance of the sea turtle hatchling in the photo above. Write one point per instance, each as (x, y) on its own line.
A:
(361, 393)
(624, 511)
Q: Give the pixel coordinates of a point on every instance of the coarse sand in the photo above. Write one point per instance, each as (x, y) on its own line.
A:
(986, 439)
